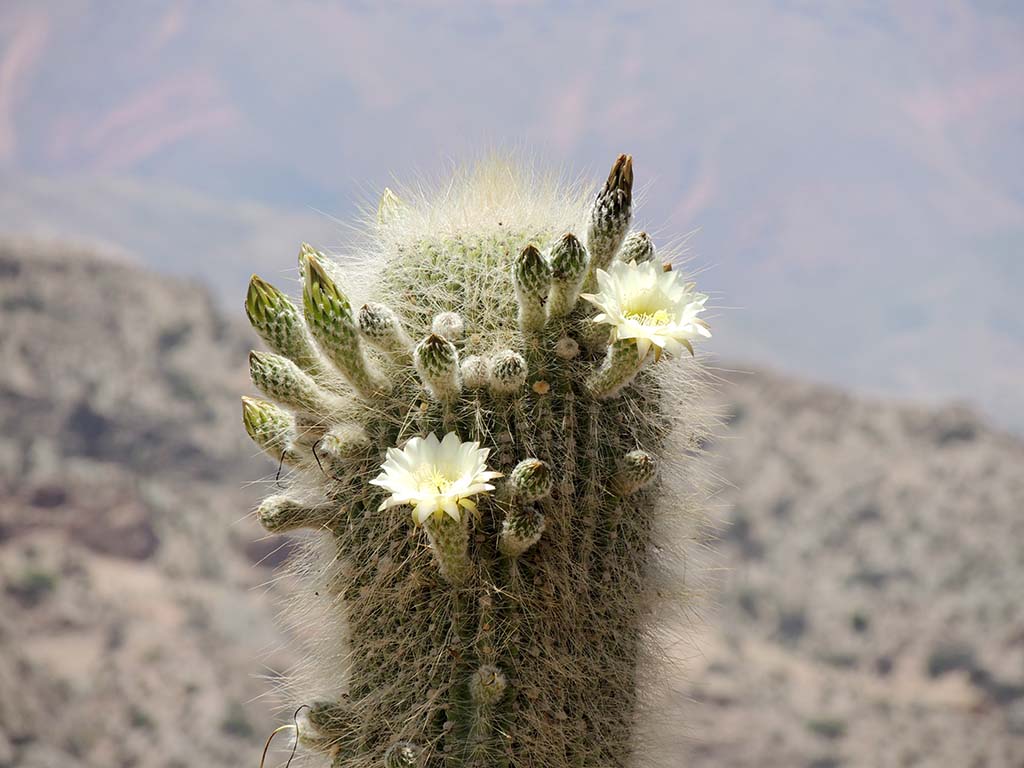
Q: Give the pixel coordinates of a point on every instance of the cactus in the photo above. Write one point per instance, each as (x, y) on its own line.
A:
(497, 483)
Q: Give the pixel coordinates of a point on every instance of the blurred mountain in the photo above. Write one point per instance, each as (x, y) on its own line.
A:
(863, 597)
(133, 623)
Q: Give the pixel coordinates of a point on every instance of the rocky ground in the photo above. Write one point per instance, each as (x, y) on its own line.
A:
(865, 602)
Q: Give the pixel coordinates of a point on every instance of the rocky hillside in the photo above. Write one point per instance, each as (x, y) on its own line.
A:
(133, 623)
(870, 610)
(865, 603)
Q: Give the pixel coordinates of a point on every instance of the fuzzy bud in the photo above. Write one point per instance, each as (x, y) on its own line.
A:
(279, 323)
(282, 380)
(388, 207)
(567, 348)
(329, 315)
(636, 471)
(569, 264)
(621, 365)
(280, 514)
(520, 530)
(487, 685)
(272, 428)
(507, 372)
(381, 327)
(531, 276)
(474, 372)
(402, 754)
(450, 325)
(610, 216)
(332, 719)
(530, 480)
(437, 363)
(637, 247)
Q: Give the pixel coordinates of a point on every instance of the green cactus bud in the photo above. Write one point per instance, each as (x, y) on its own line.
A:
(569, 264)
(282, 380)
(270, 427)
(382, 328)
(637, 247)
(402, 754)
(450, 325)
(330, 319)
(621, 365)
(279, 323)
(531, 276)
(437, 363)
(449, 541)
(487, 685)
(530, 480)
(507, 372)
(521, 529)
(636, 470)
(389, 207)
(280, 514)
(331, 718)
(474, 372)
(610, 217)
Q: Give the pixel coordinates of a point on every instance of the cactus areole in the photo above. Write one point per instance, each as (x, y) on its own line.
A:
(488, 417)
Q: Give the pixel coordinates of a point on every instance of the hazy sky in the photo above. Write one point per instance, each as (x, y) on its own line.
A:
(854, 171)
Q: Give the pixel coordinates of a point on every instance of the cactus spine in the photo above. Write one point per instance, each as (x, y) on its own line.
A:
(489, 495)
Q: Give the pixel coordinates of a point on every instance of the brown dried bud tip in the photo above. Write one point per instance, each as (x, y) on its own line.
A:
(666, 266)
(621, 176)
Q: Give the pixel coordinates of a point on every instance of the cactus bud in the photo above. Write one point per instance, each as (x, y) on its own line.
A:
(279, 514)
(329, 315)
(569, 264)
(388, 207)
(621, 364)
(507, 372)
(636, 471)
(474, 372)
(610, 216)
(279, 323)
(520, 530)
(280, 379)
(567, 348)
(487, 685)
(402, 754)
(531, 276)
(450, 325)
(270, 427)
(437, 363)
(637, 247)
(382, 328)
(530, 480)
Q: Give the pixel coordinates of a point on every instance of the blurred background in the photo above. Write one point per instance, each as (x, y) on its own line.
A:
(848, 178)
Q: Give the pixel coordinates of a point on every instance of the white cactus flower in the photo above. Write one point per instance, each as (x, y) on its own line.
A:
(435, 476)
(644, 302)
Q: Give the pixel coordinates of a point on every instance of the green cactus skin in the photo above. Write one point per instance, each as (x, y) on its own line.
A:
(520, 634)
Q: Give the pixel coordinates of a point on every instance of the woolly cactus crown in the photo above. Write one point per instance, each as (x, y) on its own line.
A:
(498, 471)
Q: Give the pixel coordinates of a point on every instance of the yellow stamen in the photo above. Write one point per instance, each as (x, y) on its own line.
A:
(660, 317)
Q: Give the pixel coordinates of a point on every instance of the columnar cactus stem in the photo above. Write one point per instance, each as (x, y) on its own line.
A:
(569, 265)
(488, 495)
(532, 279)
